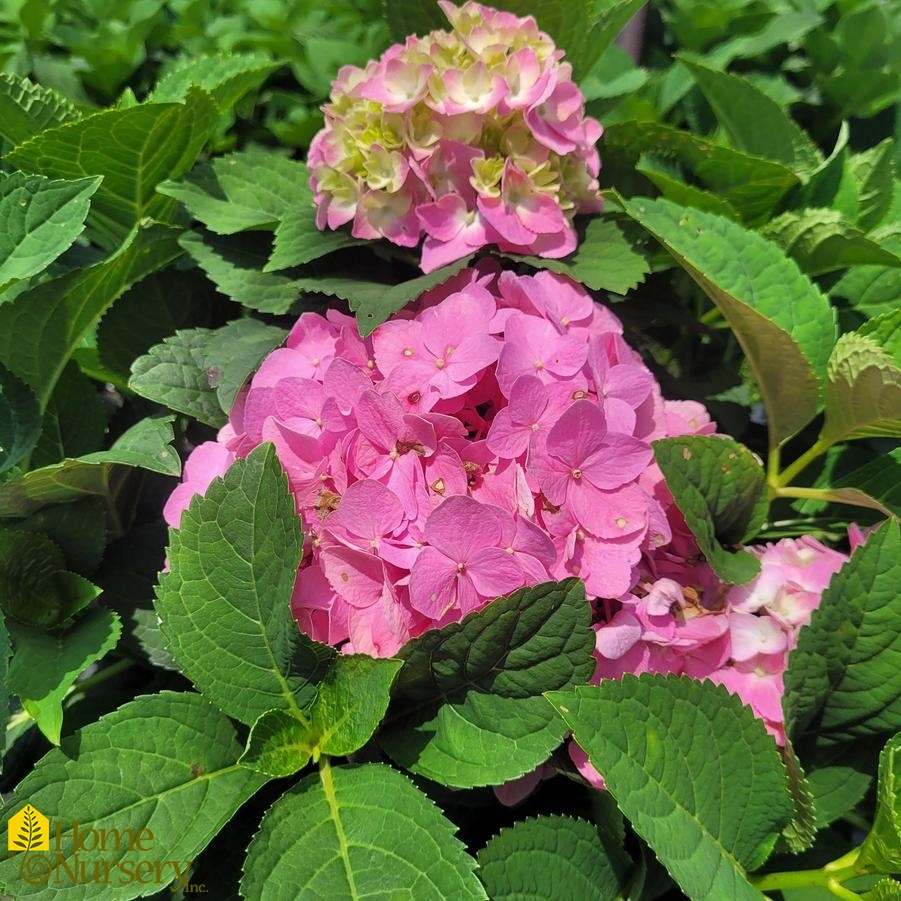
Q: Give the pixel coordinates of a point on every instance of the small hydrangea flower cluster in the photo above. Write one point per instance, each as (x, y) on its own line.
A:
(470, 137)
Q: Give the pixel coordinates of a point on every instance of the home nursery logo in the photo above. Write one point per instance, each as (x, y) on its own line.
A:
(80, 855)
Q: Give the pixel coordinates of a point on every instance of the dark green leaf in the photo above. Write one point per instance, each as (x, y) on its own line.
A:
(844, 677)
(721, 490)
(20, 420)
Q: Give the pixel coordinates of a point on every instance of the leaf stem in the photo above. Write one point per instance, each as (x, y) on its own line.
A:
(817, 450)
(770, 882)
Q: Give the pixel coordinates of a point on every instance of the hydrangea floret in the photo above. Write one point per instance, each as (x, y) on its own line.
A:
(465, 138)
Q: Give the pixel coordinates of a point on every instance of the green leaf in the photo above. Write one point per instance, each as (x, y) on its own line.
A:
(721, 490)
(535, 857)
(125, 772)
(605, 260)
(641, 734)
(876, 484)
(874, 172)
(872, 290)
(41, 329)
(5, 652)
(844, 677)
(253, 189)
(35, 587)
(134, 149)
(225, 76)
(357, 832)
(863, 391)
(884, 890)
(147, 445)
(821, 241)
(234, 351)
(225, 602)
(881, 849)
(41, 219)
(174, 374)
(678, 191)
(20, 420)
(754, 122)
(235, 266)
(279, 744)
(374, 302)
(800, 834)
(471, 691)
(836, 790)
(298, 241)
(45, 664)
(78, 528)
(27, 108)
(784, 324)
(753, 186)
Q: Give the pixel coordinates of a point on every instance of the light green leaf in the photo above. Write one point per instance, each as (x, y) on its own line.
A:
(147, 445)
(676, 190)
(253, 189)
(874, 172)
(357, 832)
(473, 689)
(41, 329)
(35, 587)
(884, 890)
(784, 324)
(374, 302)
(863, 391)
(844, 678)
(753, 186)
(535, 857)
(225, 601)
(721, 490)
(20, 420)
(134, 149)
(881, 849)
(46, 664)
(821, 241)
(226, 76)
(27, 108)
(754, 122)
(174, 374)
(605, 260)
(351, 701)
(279, 744)
(125, 772)
(41, 219)
(641, 734)
(235, 266)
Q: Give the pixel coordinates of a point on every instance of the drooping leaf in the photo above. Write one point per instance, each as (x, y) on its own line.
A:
(836, 791)
(537, 856)
(876, 484)
(822, 241)
(46, 664)
(783, 323)
(252, 189)
(41, 219)
(134, 148)
(41, 329)
(721, 490)
(357, 831)
(225, 601)
(844, 676)
(227, 77)
(642, 735)
(471, 691)
(755, 123)
(27, 108)
(147, 445)
(604, 261)
(20, 420)
(124, 772)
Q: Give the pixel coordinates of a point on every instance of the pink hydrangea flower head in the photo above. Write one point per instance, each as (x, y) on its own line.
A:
(463, 138)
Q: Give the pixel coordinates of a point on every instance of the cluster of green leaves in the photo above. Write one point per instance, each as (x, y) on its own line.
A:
(153, 252)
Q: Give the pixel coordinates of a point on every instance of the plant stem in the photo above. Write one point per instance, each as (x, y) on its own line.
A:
(770, 882)
(790, 471)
